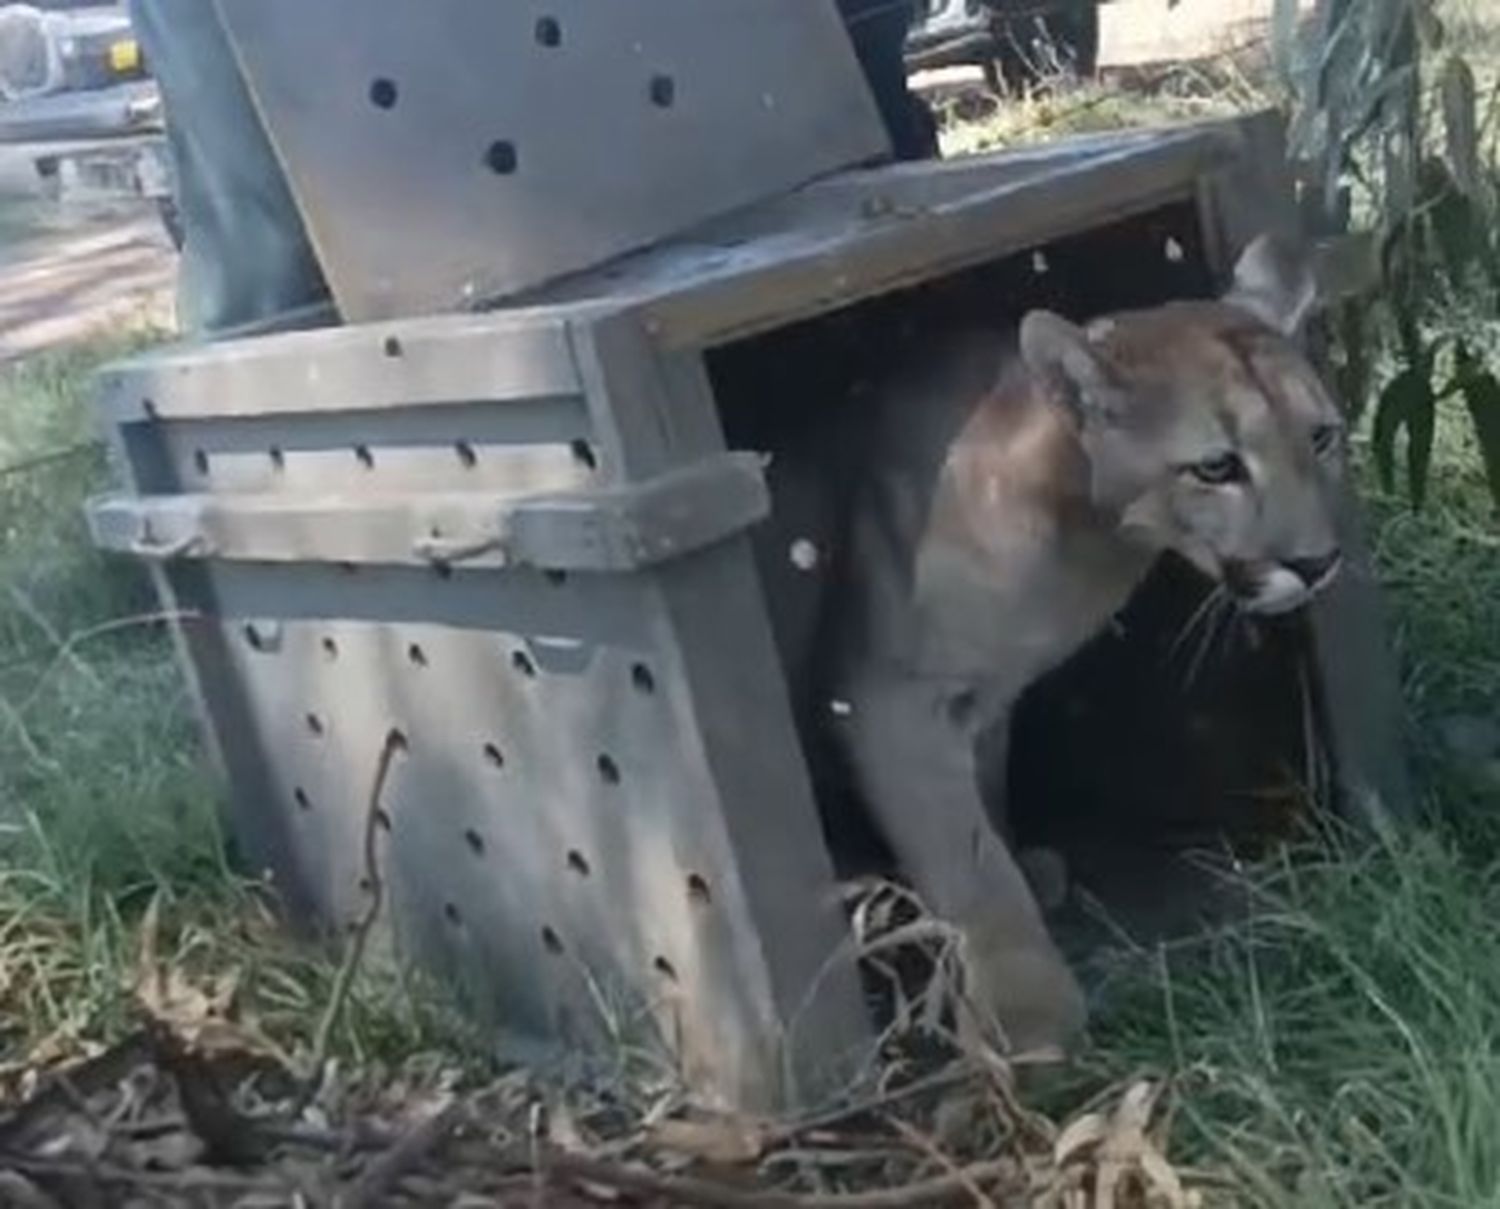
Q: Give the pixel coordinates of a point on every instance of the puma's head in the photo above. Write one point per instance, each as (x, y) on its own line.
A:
(1207, 431)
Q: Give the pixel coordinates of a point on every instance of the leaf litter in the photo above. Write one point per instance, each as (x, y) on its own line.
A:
(198, 1106)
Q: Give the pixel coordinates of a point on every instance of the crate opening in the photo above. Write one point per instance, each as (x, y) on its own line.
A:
(1179, 737)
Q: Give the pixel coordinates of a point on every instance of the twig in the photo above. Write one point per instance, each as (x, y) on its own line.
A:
(113, 626)
(84, 1079)
(933, 1151)
(955, 1072)
(48, 458)
(201, 1179)
(400, 1158)
(687, 1190)
(359, 941)
(39, 619)
(12, 715)
(829, 1157)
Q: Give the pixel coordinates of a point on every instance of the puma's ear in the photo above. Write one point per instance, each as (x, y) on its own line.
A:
(1275, 284)
(1074, 371)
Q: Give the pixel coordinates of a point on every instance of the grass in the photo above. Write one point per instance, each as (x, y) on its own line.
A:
(105, 803)
(1343, 1048)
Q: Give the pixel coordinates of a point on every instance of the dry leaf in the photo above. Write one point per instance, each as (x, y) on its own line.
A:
(722, 1140)
(1127, 1151)
(200, 1019)
(1081, 1134)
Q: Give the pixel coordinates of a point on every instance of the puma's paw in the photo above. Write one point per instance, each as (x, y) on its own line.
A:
(1024, 992)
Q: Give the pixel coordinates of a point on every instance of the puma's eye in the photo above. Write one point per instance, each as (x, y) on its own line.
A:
(1325, 438)
(1220, 469)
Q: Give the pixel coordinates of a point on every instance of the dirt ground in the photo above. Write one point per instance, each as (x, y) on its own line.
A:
(69, 270)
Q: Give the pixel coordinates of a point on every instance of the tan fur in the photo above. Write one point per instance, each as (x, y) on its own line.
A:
(1017, 497)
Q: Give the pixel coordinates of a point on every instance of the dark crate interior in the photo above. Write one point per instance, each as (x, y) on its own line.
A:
(1178, 738)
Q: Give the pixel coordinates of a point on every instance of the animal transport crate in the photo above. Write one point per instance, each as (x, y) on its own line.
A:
(542, 545)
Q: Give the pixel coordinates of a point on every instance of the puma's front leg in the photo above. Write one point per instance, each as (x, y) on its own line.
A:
(911, 745)
(1045, 869)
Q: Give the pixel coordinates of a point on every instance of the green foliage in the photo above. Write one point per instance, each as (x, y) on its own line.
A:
(1389, 136)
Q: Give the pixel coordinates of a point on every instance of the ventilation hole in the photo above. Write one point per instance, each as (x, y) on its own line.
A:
(383, 93)
(149, 407)
(443, 570)
(548, 32)
(840, 709)
(416, 655)
(366, 886)
(364, 456)
(500, 158)
(331, 648)
(804, 554)
(578, 863)
(641, 677)
(663, 91)
(583, 454)
(253, 639)
(1039, 264)
(551, 941)
(475, 841)
(555, 578)
(609, 771)
(521, 661)
(466, 456)
(299, 795)
(383, 821)
(698, 892)
(392, 347)
(200, 461)
(451, 914)
(1172, 250)
(278, 459)
(396, 739)
(493, 756)
(314, 724)
(665, 968)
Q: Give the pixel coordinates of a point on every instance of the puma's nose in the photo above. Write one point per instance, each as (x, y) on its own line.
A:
(1313, 571)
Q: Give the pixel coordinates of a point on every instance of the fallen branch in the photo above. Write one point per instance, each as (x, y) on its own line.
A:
(200, 1179)
(688, 1190)
(387, 1168)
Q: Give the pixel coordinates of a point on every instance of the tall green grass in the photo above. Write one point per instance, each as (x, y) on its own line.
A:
(1342, 1046)
(105, 801)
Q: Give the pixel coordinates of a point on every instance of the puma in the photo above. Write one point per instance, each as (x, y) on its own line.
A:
(1016, 494)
